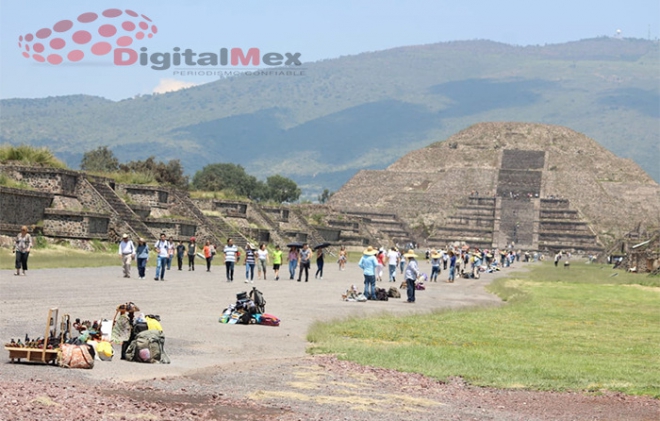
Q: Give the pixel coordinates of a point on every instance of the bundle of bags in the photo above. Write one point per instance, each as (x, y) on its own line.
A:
(249, 310)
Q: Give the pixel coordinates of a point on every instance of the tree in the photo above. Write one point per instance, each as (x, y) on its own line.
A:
(227, 176)
(100, 159)
(282, 189)
(170, 173)
(323, 197)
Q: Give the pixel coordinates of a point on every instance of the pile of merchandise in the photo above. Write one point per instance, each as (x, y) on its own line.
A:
(249, 310)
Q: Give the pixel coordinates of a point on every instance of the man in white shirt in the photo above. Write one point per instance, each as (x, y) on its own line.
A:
(392, 261)
(162, 248)
(127, 253)
(230, 251)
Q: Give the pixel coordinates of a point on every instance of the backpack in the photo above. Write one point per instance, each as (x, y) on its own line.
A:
(269, 320)
(394, 293)
(257, 298)
(381, 294)
(151, 340)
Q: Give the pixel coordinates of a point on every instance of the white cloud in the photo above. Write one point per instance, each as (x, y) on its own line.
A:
(171, 85)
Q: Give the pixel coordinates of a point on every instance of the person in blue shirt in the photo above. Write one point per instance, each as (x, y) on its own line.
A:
(368, 265)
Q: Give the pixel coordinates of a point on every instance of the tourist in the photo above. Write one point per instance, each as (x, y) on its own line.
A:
(162, 248)
(22, 247)
(249, 263)
(305, 262)
(452, 266)
(208, 255)
(262, 255)
(180, 251)
(192, 252)
(412, 273)
(320, 255)
(557, 258)
(445, 259)
(127, 253)
(392, 261)
(380, 263)
(402, 262)
(368, 263)
(230, 251)
(277, 262)
(342, 258)
(170, 252)
(427, 254)
(142, 254)
(293, 261)
(435, 265)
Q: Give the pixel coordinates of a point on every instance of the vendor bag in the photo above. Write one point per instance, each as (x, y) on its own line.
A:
(269, 320)
(75, 356)
(394, 293)
(154, 341)
(381, 294)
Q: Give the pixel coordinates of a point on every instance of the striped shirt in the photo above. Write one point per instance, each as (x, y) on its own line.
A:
(230, 253)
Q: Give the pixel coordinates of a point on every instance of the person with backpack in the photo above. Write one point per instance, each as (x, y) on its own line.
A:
(162, 248)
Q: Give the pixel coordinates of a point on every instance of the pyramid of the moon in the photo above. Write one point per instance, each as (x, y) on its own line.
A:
(495, 184)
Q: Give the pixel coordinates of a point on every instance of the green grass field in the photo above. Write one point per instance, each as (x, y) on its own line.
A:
(581, 329)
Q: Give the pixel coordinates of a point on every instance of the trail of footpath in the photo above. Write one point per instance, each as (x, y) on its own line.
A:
(246, 372)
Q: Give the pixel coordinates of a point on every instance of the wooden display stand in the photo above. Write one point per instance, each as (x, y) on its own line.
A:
(42, 355)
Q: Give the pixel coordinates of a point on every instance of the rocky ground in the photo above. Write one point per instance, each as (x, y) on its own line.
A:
(223, 372)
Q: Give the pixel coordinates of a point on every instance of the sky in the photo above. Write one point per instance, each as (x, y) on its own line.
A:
(315, 30)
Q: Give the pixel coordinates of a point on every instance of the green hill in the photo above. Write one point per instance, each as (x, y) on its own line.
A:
(367, 110)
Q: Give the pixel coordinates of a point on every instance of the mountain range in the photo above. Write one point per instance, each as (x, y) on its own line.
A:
(365, 111)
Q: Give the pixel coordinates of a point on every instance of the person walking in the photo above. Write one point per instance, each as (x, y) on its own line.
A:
(293, 261)
(142, 255)
(162, 248)
(305, 262)
(452, 266)
(412, 273)
(368, 265)
(262, 255)
(277, 262)
(230, 252)
(249, 263)
(22, 247)
(180, 251)
(170, 252)
(192, 252)
(208, 254)
(392, 262)
(127, 253)
(436, 258)
(320, 256)
(343, 256)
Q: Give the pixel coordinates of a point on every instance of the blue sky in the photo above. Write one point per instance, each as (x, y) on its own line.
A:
(318, 30)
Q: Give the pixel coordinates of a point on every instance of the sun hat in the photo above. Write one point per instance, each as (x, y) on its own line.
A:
(370, 251)
(435, 254)
(124, 236)
(411, 253)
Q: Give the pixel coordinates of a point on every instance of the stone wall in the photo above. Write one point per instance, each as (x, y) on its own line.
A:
(48, 180)
(23, 207)
(152, 196)
(73, 224)
(177, 229)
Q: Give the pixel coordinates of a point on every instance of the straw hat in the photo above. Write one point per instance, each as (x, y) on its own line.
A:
(124, 236)
(411, 253)
(370, 251)
(435, 254)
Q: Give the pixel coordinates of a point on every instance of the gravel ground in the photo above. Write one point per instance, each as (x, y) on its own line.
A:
(232, 372)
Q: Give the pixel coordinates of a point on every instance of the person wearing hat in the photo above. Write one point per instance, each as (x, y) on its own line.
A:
(142, 254)
(192, 251)
(249, 263)
(127, 254)
(412, 273)
(435, 265)
(368, 265)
